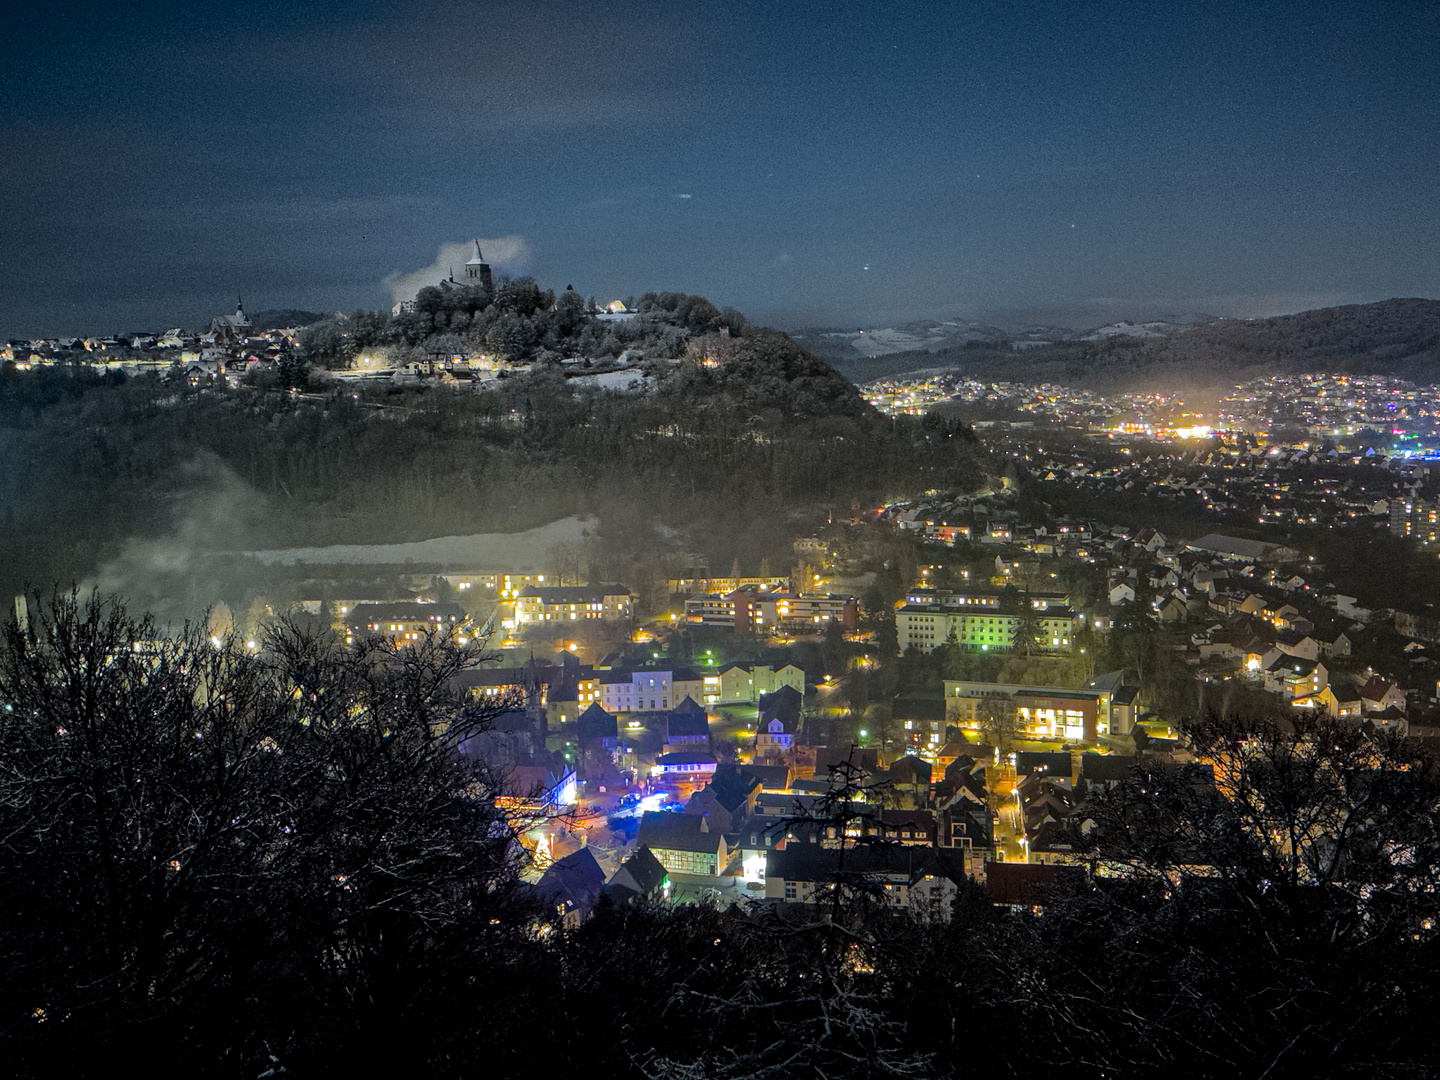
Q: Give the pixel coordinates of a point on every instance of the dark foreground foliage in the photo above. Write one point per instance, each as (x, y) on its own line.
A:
(212, 861)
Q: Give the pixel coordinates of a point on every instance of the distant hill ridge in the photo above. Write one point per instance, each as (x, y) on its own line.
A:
(1396, 337)
(284, 317)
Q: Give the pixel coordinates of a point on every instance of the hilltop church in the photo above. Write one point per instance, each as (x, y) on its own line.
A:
(476, 273)
(230, 328)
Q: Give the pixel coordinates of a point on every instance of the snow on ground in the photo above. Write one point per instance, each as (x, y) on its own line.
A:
(888, 340)
(501, 551)
(1129, 329)
(628, 379)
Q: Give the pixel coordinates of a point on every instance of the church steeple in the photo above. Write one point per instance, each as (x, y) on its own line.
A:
(477, 271)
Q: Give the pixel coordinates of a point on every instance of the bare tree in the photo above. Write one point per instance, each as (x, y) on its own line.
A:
(999, 722)
(184, 821)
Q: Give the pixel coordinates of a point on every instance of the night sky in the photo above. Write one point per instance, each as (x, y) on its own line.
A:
(847, 164)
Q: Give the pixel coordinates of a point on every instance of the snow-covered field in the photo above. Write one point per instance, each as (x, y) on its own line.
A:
(500, 551)
(919, 337)
(612, 380)
(1136, 330)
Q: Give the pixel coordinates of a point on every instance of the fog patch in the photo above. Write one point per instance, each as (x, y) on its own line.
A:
(181, 575)
(506, 254)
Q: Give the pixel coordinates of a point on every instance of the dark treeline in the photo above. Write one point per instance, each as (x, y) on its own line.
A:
(724, 453)
(217, 863)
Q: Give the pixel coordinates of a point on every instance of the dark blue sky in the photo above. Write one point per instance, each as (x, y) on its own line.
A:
(1005, 161)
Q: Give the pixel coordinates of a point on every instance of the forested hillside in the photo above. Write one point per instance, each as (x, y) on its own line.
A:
(1399, 337)
(722, 452)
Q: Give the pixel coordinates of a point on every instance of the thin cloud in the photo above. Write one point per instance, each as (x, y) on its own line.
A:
(504, 253)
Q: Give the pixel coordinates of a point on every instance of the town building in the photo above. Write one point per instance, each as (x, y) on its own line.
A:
(756, 610)
(572, 603)
(739, 683)
(1416, 518)
(1045, 711)
(777, 725)
(703, 582)
(685, 766)
(230, 329)
(687, 727)
(986, 629)
(563, 690)
(640, 877)
(684, 843)
(924, 880)
(403, 622)
(627, 690)
(571, 885)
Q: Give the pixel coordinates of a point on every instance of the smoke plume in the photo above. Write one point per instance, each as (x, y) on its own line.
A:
(178, 575)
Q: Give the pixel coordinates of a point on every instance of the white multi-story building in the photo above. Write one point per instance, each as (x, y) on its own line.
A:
(575, 603)
(924, 627)
(648, 689)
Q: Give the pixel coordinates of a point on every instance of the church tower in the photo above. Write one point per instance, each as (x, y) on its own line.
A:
(477, 271)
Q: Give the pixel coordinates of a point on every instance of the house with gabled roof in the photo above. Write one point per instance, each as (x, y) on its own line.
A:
(1379, 694)
(1100, 771)
(687, 727)
(684, 843)
(737, 786)
(1292, 676)
(923, 880)
(1294, 643)
(1173, 609)
(967, 822)
(640, 877)
(572, 884)
(963, 775)
(960, 747)
(598, 738)
(1151, 539)
(910, 781)
(866, 763)
(1055, 840)
(707, 803)
(1324, 700)
(1347, 701)
(1334, 642)
(747, 681)
(778, 724)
